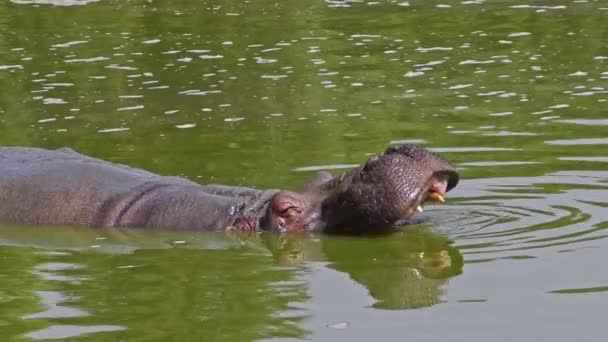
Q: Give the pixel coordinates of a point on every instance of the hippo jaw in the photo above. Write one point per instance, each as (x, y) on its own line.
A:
(368, 199)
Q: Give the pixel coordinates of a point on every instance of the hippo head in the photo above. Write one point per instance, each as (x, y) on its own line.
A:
(368, 199)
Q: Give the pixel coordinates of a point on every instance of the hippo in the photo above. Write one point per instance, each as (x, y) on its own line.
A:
(64, 187)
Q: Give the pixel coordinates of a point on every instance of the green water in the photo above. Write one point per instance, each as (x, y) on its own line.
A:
(262, 94)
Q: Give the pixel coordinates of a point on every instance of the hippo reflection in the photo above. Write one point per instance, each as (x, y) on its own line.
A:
(63, 187)
(403, 270)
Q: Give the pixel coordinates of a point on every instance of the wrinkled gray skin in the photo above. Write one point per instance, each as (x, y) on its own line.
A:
(63, 187)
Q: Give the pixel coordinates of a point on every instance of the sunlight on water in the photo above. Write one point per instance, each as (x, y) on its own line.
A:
(264, 94)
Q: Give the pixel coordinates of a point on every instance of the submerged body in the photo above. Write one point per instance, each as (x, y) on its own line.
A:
(63, 187)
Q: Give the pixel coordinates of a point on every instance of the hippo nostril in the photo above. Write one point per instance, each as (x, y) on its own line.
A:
(253, 222)
(452, 179)
(371, 161)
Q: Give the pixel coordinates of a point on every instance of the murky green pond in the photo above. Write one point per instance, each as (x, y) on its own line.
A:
(263, 93)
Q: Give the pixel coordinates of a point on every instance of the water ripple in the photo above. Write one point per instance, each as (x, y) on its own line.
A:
(501, 218)
(587, 141)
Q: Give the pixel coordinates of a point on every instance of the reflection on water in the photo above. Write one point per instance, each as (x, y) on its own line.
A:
(53, 2)
(582, 291)
(262, 94)
(406, 271)
(53, 271)
(402, 271)
(51, 301)
(53, 305)
(155, 287)
(56, 332)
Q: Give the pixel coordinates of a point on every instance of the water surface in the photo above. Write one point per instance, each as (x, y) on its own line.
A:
(265, 93)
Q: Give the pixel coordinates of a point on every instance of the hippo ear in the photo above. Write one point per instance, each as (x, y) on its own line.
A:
(367, 167)
(315, 183)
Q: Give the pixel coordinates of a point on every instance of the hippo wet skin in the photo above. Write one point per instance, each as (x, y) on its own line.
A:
(63, 187)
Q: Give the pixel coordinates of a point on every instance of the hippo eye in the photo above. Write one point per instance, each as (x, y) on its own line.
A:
(291, 210)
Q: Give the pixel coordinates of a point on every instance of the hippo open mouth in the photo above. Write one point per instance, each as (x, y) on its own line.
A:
(371, 198)
(439, 184)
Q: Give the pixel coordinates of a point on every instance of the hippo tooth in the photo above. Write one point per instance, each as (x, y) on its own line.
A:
(419, 209)
(437, 197)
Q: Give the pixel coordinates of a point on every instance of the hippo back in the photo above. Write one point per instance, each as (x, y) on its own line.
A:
(63, 187)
